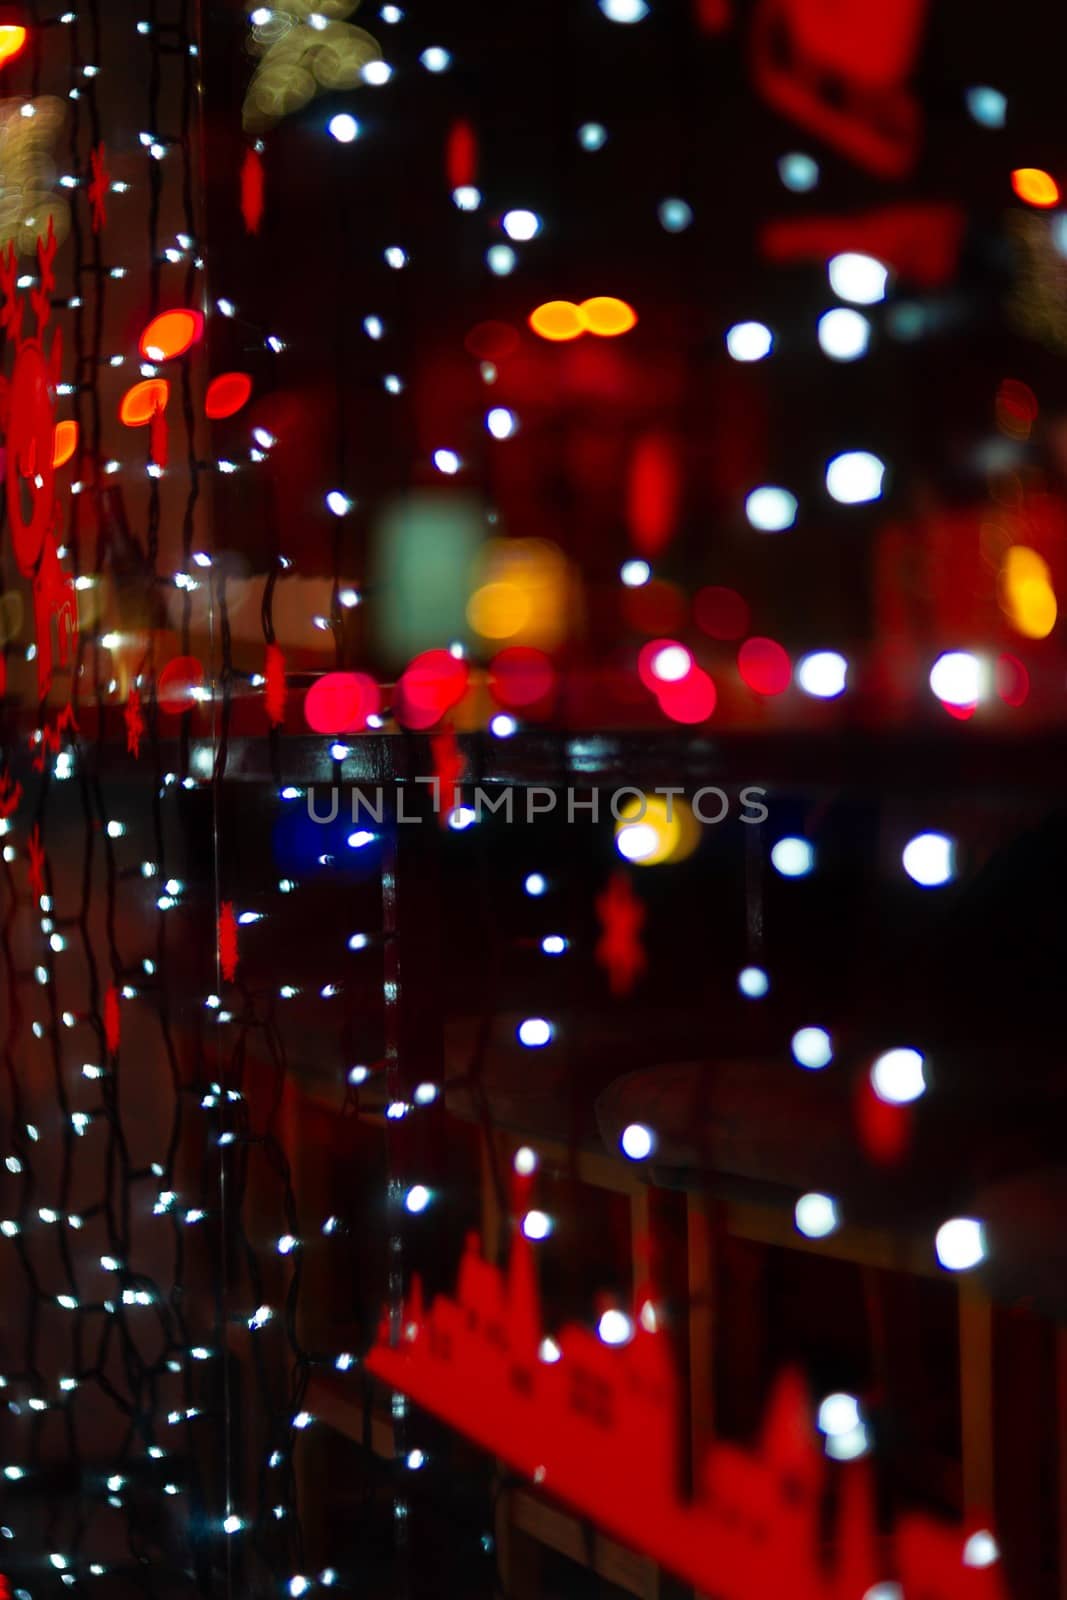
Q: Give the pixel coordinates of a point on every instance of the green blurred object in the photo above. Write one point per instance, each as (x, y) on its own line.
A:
(425, 547)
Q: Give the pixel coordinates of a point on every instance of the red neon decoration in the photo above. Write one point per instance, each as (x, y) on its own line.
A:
(619, 950)
(112, 1020)
(884, 1129)
(461, 155)
(35, 851)
(99, 186)
(920, 242)
(597, 1428)
(170, 335)
(134, 722)
(652, 493)
(275, 688)
(226, 394)
(841, 68)
(252, 186)
(228, 941)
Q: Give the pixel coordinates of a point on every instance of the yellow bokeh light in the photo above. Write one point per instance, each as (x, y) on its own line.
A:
(656, 829)
(1026, 593)
(606, 316)
(521, 591)
(498, 610)
(557, 320)
(1036, 187)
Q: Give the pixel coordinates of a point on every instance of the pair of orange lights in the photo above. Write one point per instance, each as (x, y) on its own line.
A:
(604, 315)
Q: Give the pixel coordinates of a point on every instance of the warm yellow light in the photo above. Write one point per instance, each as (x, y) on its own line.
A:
(655, 830)
(606, 316)
(557, 320)
(12, 39)
(498, 610)
(1026, 593)
(1034, 186)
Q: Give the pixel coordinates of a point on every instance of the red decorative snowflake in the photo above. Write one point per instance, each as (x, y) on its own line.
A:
(134, 722)
(619, 950)
(37, 862)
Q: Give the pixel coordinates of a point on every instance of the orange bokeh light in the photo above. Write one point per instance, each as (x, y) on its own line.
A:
(606, 316)
(557, 320)
(66, 442)
(170, 335)
(227, 393)
(1034, 186)
(12, 40)
(139, 405)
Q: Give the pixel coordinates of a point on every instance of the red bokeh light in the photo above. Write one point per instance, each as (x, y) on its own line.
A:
(341, 702)
(647, 657)
(721, 613)
(431, 685)
(764, 666)
(656, 607)
(521, 676)
(1012, 680)
(178, 684)
(226, 394)
(170, 335)
(690, 700)
(491, 341)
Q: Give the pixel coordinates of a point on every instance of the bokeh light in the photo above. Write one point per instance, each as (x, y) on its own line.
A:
(844, 334)
(749, 341)
(930, 859)
(771, 509)
(960, 1244)
(812, 1048)
(855, 477)
(227, 393)
(822, 674)
(897, 1076)
(558, 320)
(764, 666)
(816, 1216)
(1035, 186)
(607, 316)
(170, 335)
(139, 405)
(721, 613)
(857, 277)
(753, 983)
